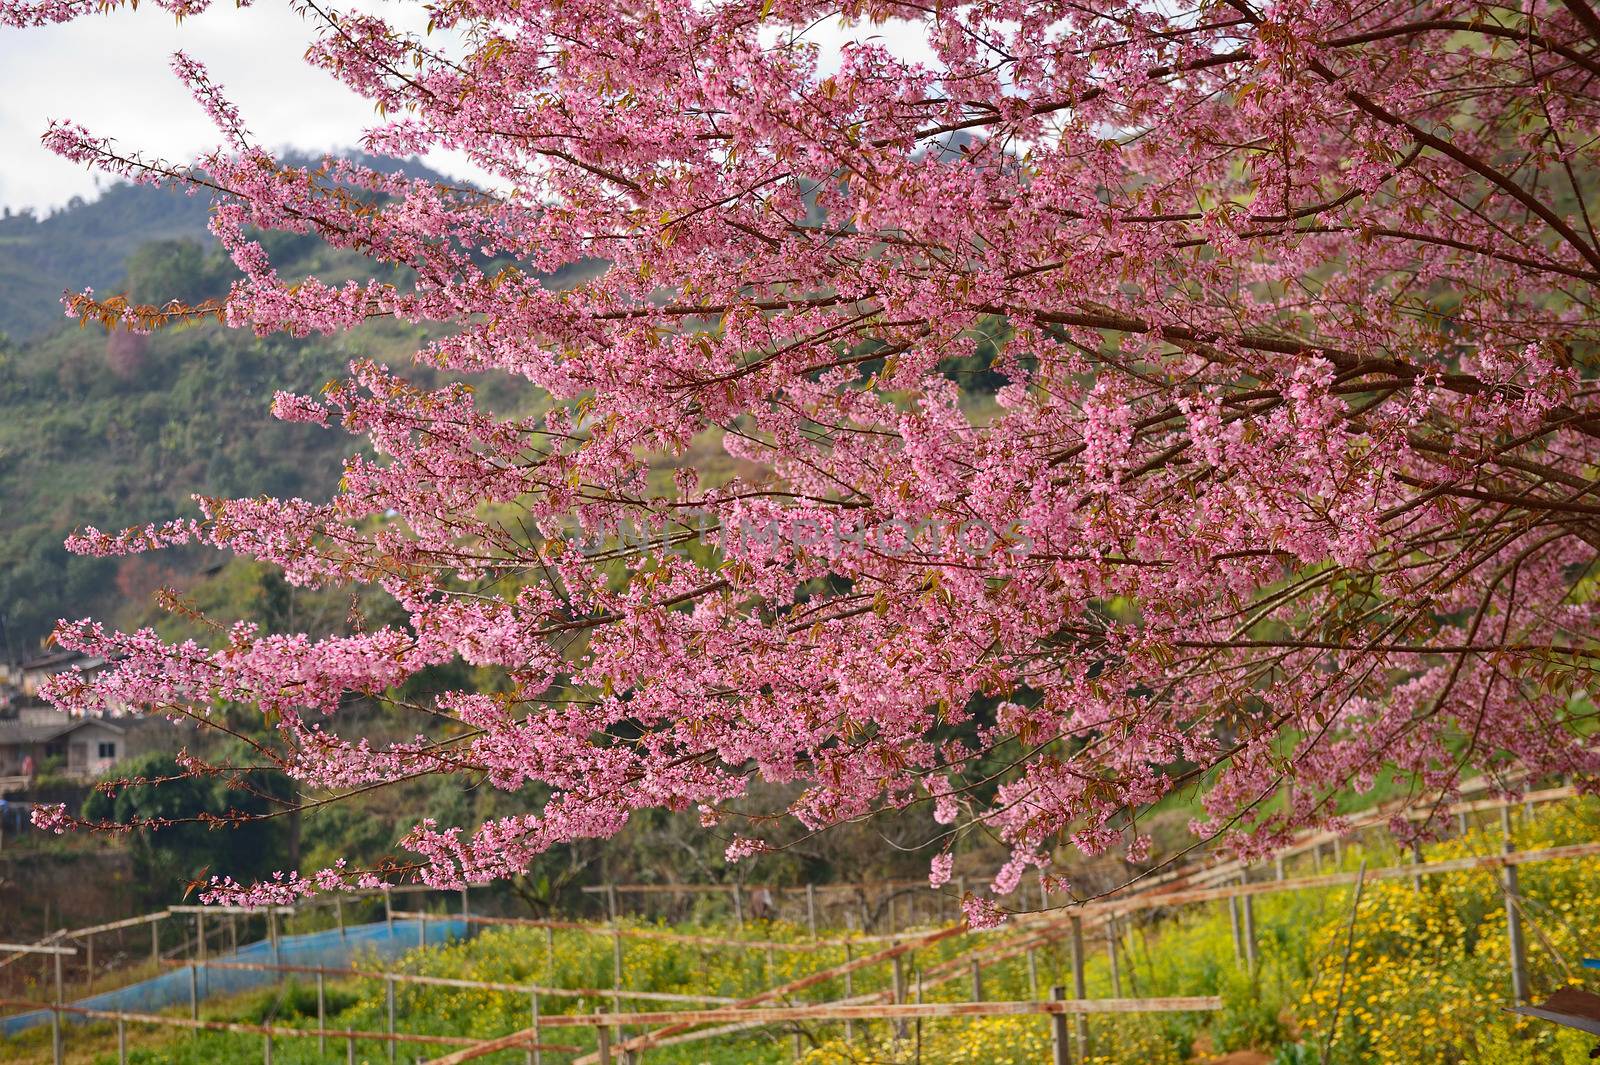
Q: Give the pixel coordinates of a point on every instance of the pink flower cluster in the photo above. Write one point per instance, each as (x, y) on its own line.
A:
(1270, 328)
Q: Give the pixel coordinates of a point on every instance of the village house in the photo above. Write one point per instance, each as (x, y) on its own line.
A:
(42, 740)
(38, 740)
(30, 675)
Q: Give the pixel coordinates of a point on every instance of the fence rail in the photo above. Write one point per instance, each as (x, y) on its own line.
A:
(1170, 887)
(275, 1030)
(1058, 1007)
(451, 981)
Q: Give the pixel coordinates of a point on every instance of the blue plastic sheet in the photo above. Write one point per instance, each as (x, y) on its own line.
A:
(326, 950)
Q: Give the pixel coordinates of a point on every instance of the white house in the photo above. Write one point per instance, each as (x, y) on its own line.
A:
(42, 739)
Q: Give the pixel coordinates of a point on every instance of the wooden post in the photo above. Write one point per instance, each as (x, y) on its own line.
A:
(603, 1037)
(155, 944)
(422, 927)
(88, 961)
(1078, 987)
(122, 1042)
(1416, 859)
(738, 905)
(350, 1050)
(1277, 866)
(1126, 936)
(200, 935)
(1233, 920)
(57, 1040)
(811, 908)
(1249, 936)
(918, 1057)
(1519, 960)
(849, 991)
(1044, 896)
(466, 916)
(1461, 822)
(194, 992)
(388, 994)
(233, 934)
(894, 912)
(899, 990)
(272, 935)
(977, 981)
(388, 909)
(266, 1049)
(616, 969)
(533, 1013)
(338, 913)
(1111, 952)
(1060, 1055)
(549, 949)
(1033, 973)
(322, 1016)
(1338, 852)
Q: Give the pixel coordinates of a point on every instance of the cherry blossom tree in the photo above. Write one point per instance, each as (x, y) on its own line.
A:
(1124, 397)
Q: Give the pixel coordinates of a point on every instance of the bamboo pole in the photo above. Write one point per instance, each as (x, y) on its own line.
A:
(1488, 862)
(1248, 903)
(1080, 1022)
(57, 1036)
(834, 1011)
(1111, 953)
(1514, 940)
(162, 1020)
(849, 991)
(476, 985)
(1061, 1053)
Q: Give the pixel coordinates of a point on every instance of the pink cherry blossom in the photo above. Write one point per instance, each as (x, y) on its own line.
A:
(1111, 401)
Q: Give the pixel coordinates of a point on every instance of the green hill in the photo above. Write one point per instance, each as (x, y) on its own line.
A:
(87, 244)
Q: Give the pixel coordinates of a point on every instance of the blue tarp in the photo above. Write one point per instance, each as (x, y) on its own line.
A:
(327, 950)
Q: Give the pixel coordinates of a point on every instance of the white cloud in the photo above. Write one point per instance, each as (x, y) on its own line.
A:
(110, 73)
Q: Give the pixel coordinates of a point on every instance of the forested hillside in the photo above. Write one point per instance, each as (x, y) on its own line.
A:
(86, 245)
(117, 429)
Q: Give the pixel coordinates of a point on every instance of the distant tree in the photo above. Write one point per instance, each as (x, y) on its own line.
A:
(125, 353)
(1221, 411)
(181, 270)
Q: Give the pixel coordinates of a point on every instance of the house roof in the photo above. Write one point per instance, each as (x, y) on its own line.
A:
(54, 658)
(17, 732)
(60, 661)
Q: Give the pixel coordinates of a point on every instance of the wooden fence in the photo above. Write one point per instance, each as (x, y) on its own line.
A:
(1169, 888)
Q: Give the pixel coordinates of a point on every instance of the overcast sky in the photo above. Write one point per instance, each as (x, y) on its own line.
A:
(110, 74)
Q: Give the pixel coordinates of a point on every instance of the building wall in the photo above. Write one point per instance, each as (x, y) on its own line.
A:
(11, 755)
(94, 749)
